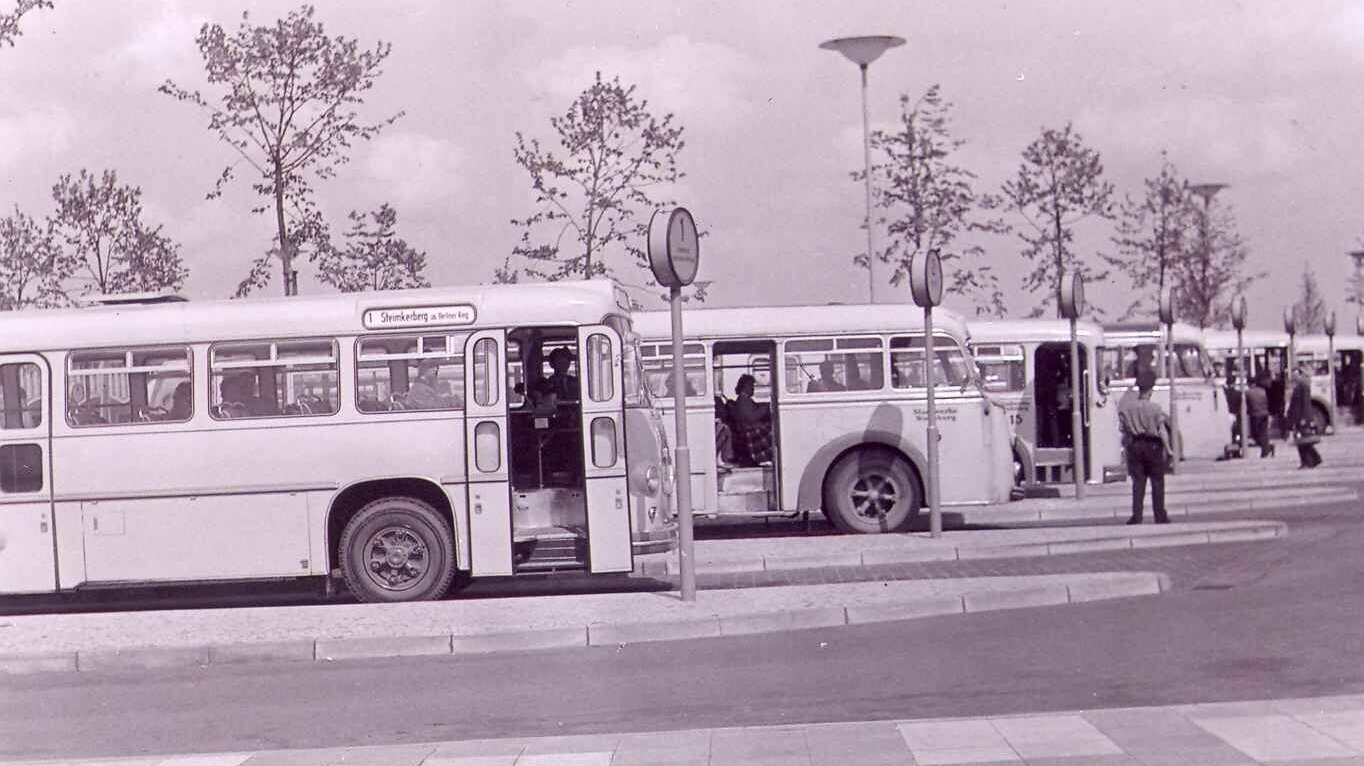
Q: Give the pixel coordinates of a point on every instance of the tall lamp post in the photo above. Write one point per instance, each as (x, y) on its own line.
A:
(1358, 257)
(862, 51)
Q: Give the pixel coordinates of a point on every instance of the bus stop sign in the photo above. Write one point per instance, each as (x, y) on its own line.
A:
(674, 252)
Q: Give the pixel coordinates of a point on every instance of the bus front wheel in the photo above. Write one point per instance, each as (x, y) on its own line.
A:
(397, 549)
(871, 491)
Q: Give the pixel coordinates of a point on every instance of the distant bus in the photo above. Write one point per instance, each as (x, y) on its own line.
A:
(1349, 362)
(1205, 421)
(390, 439)
(1267, 355)
(1025, 363)
(847, 395)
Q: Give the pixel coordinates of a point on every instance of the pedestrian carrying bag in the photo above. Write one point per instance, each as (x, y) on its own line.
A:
(1307, 435)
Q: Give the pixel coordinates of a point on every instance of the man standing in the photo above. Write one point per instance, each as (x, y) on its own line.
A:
(1304, 430)
(1257, 409)
(1146, 439)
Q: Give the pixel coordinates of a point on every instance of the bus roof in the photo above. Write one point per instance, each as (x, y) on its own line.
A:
(1226, 339)
(782, 321)
(1320, 343)
(1032, 330)
(562, 303)
(1151, 332)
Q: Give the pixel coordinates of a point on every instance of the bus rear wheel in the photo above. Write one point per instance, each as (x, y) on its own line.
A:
(397, 549)
(872, 491)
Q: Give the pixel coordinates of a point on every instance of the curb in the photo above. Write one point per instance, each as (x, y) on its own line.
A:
(1177, 508)
(593, 635)
(1259, 530)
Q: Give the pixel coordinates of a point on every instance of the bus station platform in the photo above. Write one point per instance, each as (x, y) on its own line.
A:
(1322, 731)
(496, 622)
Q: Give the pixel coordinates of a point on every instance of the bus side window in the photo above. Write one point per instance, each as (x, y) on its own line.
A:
(21, 396)
(140, 385)
(409, 372)
(286, 378)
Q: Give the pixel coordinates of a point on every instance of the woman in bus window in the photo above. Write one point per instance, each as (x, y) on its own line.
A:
(752, 425)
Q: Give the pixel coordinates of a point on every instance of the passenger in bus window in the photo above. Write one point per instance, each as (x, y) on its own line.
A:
(83, 411)
(180, 402)
(423, 393)
(827, 381)
(752, 425)
(239, 398)
(853, 373)
(565, 385)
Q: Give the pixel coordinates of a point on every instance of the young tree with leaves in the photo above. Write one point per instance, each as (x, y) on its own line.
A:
(1212, 271)
(595, 193)
(28, 268)
(1153, 237)
(290, 108)
(9, 22)
(932, 203)
(1059, 184)
(374, 258)
(104, 245)
(1309, 312)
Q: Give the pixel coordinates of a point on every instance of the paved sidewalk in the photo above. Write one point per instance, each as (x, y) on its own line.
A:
(1325, 731)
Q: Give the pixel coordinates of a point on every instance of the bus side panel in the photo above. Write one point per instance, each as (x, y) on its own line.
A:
(818, 432)
(701, 439)
(1204, 423)
(70, 545)
(1105, 447)
(998, 446)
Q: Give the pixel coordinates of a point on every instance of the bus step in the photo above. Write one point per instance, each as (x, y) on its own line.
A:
(738, 480)
(749, 501)
(551, 549)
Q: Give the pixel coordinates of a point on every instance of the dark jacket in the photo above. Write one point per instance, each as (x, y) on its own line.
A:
(1300, 404)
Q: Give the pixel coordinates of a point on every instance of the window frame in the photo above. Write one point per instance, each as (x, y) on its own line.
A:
(70, 376)
(454, 343)
(273, 363)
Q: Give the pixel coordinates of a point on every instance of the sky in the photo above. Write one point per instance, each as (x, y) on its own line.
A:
(1262, 96)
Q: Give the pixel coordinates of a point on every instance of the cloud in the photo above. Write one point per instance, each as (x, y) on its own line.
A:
(415, 170)
(45, 131)
(162, 44)
(704, 84)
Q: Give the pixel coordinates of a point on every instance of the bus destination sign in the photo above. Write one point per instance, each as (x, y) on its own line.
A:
(419, 316)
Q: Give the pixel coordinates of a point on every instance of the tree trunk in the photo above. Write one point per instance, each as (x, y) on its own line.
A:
(1060, 261)
(286, 249)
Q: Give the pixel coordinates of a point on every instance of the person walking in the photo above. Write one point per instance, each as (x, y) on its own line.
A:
(1257, 410)
(1146, 439)
(1300, 419)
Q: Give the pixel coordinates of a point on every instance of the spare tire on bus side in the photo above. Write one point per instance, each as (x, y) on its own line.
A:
(872, 490)
(397, 549)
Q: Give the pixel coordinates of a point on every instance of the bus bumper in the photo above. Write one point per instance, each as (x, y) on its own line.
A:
(656, 540)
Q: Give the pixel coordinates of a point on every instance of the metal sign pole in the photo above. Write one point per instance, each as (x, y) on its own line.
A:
(934, 510)
(1243, 382)
(686, 542)
(1077, 437)
(1171, 361)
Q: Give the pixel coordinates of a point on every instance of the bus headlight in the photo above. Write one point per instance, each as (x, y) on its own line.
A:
(652, 481)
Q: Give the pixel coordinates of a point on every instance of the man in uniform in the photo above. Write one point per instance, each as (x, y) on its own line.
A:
(1146, 439)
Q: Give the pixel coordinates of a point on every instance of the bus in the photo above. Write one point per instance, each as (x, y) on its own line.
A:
(846, 390)
(1267, 360)
(1349, 354)
(1025, 364)
(1204, 420)
(393, 440)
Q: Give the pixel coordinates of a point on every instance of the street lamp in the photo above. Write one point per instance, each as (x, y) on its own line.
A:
(1358, 256)
(862, 51)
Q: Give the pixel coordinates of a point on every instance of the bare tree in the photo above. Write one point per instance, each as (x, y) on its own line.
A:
(932, 202)
(289, 107)
(1059, 184)
(28, 270)
(598, 188)
(1154, 236)
(9, 22)
(374, 258)
(1212, 272)
(1309, 312)
(105, 246)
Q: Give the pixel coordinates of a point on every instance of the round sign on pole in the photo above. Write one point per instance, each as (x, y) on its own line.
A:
(1331, 323)
(1290, 322)
(1072, 296)
(674, 251)
(1167, 305)
(925, 280)
(1238, 312)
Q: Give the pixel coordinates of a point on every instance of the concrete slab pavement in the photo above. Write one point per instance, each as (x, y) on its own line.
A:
(1324, 731)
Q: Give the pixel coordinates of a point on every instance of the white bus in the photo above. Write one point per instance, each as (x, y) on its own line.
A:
(1204, 420)
(845, 388)
(1349, 361)
(383, 438)
(1025, 363)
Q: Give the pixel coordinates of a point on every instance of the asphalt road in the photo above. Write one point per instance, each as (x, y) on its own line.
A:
(1278, 619)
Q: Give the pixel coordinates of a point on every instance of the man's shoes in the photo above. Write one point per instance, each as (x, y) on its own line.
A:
(1133, 521)
(1162, 521)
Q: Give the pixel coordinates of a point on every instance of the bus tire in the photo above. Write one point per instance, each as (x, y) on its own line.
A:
(397, 549)
(870, 491)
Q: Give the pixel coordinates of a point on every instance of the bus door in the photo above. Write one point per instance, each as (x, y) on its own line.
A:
(28, 559)
(603, 441)
(486, 436)
(1052, 389)
(747, 482)
(1349, 391)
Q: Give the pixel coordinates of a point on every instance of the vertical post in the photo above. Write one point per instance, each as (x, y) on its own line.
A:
(866, 164)
(934, 509)
(1243, 381)
(1077, 433)
(686, 539)
(1331, 360)
(1171, 367)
